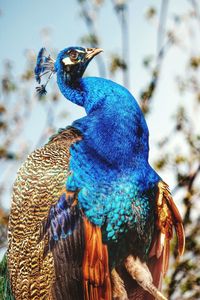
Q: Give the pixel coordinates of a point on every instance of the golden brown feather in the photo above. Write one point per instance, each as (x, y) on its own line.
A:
(168, 217)
(96, 273)
(39, 184)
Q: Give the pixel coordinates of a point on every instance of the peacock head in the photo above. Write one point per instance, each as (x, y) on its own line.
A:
(73, 61)
(70, 64)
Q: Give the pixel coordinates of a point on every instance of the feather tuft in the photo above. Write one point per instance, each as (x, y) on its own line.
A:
(41, 90)
(39, 65)
(44, 66)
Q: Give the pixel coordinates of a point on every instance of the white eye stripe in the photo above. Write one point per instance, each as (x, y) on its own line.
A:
(80, 51)
(67, 61)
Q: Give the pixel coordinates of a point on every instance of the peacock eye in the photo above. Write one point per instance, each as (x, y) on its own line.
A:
(73, 55)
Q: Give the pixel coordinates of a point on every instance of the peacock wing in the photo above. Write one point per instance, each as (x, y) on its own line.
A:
(168, 219)
(39, 185)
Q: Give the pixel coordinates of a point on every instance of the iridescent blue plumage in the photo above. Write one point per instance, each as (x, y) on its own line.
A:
(61, 222)
(110, 164)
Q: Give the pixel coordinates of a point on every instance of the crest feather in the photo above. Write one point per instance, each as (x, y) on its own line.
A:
(44, 66)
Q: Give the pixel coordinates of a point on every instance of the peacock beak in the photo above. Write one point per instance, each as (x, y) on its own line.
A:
(92, 52)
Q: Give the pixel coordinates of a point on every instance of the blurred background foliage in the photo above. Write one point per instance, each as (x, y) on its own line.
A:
(18, 99)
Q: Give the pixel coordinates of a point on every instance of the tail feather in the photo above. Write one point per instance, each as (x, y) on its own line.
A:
(96, 275)
(5, 288)
(167, 219)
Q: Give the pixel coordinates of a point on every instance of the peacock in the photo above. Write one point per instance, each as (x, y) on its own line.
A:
(90, 218)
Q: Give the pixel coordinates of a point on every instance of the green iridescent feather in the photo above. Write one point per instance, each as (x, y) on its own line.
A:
(5, 289)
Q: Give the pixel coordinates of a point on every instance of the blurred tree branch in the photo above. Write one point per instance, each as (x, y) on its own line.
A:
(121, 9)
(148, 93)
(89, 12)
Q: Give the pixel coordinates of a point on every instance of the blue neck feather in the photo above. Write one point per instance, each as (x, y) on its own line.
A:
(114, 126)
(71, 91)
(112, 157)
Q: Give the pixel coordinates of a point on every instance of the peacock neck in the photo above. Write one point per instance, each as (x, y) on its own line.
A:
(113, 121)
(71, 89)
